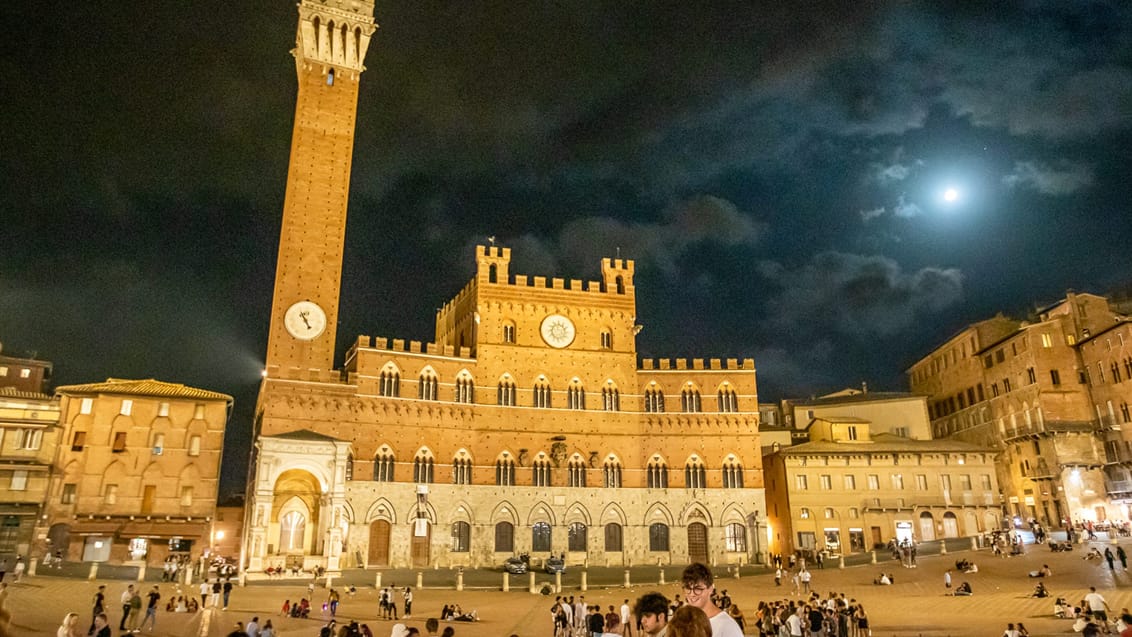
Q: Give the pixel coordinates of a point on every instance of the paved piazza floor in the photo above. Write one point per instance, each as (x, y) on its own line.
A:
(915, 605)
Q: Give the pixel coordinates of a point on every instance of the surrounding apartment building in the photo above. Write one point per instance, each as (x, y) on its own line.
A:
(849, 490)
(136, 475)
(1039, 391)
(29, 432)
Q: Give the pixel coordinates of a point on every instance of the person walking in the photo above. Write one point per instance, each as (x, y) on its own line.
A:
(1123, 557)
(1110, 558)
(18, 570)
(947, 580)
(151, 608)
(98, 606)
(227, 592)
(408, 596)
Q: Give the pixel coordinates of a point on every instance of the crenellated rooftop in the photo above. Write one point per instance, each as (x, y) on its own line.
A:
(714, 364)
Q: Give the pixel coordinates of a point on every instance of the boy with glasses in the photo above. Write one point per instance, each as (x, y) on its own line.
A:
(698, 588)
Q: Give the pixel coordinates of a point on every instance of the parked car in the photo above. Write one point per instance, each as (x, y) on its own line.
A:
(555, 565)
(515, 566)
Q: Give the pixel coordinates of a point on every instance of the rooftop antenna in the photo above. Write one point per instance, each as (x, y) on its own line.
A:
(491, 240)
(618, 252)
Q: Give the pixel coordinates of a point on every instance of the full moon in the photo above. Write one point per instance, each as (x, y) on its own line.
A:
(951, 195)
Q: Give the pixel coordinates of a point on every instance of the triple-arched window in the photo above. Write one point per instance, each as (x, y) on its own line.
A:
(390, 383)
(690, 400)
(427, 386)
(695, 475)
(728, 402)
(541, 395)
(576, 472)
(654, 401)
(610, 399)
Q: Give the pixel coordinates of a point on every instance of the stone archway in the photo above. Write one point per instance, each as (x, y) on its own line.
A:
(927, 527)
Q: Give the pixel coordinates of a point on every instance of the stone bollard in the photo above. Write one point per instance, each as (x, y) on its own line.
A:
(329, 582)
(377, 581)
(93, 571)
(942, 547)
(531, 586)
(873, 557)
(420, 578)
(738, 567)
(31, 566)
(558, 581)
(627, 582)
(585, 580)
(841, 561)
(141, 573)
(662, 577)
(459, 579)
(974, 543)
(506, 582)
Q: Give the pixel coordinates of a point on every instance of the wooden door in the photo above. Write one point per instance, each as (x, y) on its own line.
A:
(877, 539)
(422, 537)
(697, 543)
(379, 543)
(148, 497)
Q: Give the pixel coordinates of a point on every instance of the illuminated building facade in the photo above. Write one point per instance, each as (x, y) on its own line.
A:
(527, 425)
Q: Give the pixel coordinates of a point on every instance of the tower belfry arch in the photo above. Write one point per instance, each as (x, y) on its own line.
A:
(330, 46)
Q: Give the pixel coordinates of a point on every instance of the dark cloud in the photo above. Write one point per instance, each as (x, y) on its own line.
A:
(856, 296)
(582, 242)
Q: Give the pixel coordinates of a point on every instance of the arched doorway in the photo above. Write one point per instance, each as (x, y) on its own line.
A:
(697, 543)
(950, 525)
(927, 527)
(422, 539)
(379, 531)
(59, 539)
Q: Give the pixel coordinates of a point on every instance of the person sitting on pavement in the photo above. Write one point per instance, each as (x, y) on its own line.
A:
(1061, 608)
(1042, 572)
(882, 580)
(1093, 554)
(1040, 591)
(964, 590)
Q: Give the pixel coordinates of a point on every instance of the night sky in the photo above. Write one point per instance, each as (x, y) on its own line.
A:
(777, 170)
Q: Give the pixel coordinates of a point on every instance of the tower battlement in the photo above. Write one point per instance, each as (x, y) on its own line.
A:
(713, 364)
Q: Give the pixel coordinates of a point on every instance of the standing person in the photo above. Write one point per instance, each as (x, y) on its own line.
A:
(215, 599)
(70, 626)
(1123, 557)
(698, 584)
(408, 602)
(98, 606)
(580, 612)
(18, 571)
(806, 576)
(204, 588)
(127, 595)
(947, 580)
(861, 619)
(778, 575)
(332, 602)
(1098, 605)
(227, 592)
(101, 627)
(135, 612)
(626, 627)
(151, 608)
(595, 622)
(651, 610)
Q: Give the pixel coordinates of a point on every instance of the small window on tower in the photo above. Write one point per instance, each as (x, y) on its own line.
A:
(330, 77)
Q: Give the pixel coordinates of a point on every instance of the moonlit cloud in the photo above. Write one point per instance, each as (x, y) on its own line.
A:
(1064, 179)
(869, 215)
(906, 209)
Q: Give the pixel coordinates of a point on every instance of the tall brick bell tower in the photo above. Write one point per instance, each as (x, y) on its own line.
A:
(330, 46)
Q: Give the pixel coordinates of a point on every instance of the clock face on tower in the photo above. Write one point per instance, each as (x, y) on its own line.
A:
(305, 320)
(557, 330)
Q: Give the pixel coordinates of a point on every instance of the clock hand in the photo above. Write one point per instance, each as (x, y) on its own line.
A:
(303, 315)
